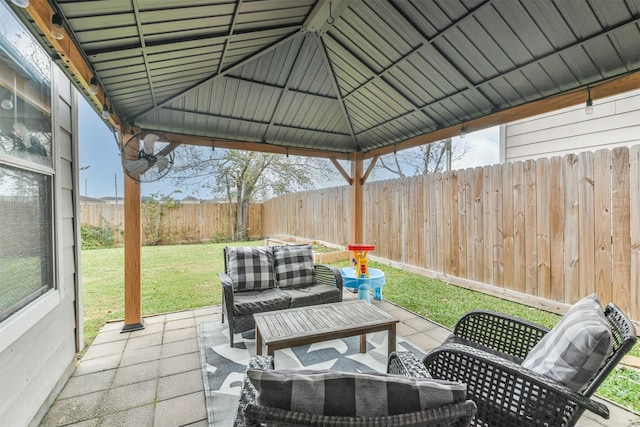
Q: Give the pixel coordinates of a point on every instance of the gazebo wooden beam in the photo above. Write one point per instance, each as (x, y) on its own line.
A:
(576, 97)
(356, 205)
(41, 12)
(340, 169)
(253, 146)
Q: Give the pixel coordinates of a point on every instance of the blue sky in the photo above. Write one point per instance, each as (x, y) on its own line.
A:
(103, 176)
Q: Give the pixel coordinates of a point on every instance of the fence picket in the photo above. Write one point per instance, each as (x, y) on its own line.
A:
(586, 223)
(634, 232)
(519, 237)
(602, 224)
(543, 228)
(498, 266)
(572, 258)
(487, 225)
(507, 226)
(621, 233)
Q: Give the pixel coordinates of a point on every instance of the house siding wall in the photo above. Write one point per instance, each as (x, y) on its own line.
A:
(37, 364)
(615, 122)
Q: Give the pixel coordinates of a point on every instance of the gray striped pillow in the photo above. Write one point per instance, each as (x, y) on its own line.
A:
(349, 394)
(575, 349)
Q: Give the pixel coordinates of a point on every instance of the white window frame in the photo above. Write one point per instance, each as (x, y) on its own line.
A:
(19, 323)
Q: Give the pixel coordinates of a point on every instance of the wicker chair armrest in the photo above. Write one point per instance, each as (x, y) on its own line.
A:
(249, 392)
(328, 275)
(506, 393)
(406, 363)
(260, 362)
(457, 414)
(227, 291)
(624, 338)
(500, 332)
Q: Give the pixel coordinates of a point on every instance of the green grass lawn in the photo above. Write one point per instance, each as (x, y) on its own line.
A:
(177, 278)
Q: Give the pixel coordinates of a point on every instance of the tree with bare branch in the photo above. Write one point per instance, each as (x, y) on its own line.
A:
(423, 160)
(242, 177)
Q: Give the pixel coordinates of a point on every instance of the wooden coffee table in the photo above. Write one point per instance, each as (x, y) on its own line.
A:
(305, 325)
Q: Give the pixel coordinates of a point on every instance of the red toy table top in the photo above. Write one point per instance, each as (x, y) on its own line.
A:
(361, 247)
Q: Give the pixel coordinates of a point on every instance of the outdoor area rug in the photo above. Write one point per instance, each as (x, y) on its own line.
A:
(223, 367)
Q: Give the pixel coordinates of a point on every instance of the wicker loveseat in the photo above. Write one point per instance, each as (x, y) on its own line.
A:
(267, 278)
(488, 351)
(333, 401)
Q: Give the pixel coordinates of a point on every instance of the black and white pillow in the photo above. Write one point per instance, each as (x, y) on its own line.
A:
(250, 268)
(575, 349)
(294, 265)
(349, 394)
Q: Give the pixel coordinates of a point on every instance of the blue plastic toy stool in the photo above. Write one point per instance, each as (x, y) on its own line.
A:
(375, 281)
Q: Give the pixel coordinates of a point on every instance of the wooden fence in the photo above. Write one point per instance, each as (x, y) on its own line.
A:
(185, 223)
(543, 231)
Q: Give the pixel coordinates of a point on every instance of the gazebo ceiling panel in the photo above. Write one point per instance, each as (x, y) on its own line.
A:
(311, 74)
(433, 72)
(373, 74)
(312, 139)
(410, 125)
(321, 114)
(197, 124)
(272, 68)
(347, 68)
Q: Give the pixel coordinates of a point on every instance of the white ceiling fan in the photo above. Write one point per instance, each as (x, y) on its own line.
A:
(147, 156)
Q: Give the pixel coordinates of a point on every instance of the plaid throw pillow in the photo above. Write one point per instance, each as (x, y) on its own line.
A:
(250, 268)
(573, 351)
(351, 394)
(294, 265)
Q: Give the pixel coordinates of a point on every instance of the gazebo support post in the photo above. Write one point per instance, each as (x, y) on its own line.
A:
(132, 257)
(356, 212)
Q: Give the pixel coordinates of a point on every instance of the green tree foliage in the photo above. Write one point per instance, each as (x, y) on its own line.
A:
(96, 237)
(156, 207)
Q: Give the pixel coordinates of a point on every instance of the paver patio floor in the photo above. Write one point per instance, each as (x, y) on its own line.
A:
(152, 377)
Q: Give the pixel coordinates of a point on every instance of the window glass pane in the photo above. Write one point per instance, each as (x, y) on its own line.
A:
(26, 253)
(25, 94)
(26, 195)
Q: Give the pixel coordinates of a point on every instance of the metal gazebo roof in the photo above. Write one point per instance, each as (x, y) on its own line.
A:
(343, 79)
(341, 76)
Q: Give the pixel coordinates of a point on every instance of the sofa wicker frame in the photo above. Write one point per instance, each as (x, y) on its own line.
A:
(250, 414)
(486, 352)
(325, 275)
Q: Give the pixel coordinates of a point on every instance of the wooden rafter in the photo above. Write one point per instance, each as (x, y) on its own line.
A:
(252, 146)
(340, 169)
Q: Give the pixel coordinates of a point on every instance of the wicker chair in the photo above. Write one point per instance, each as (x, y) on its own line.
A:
(486, 351)
(251, 414)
